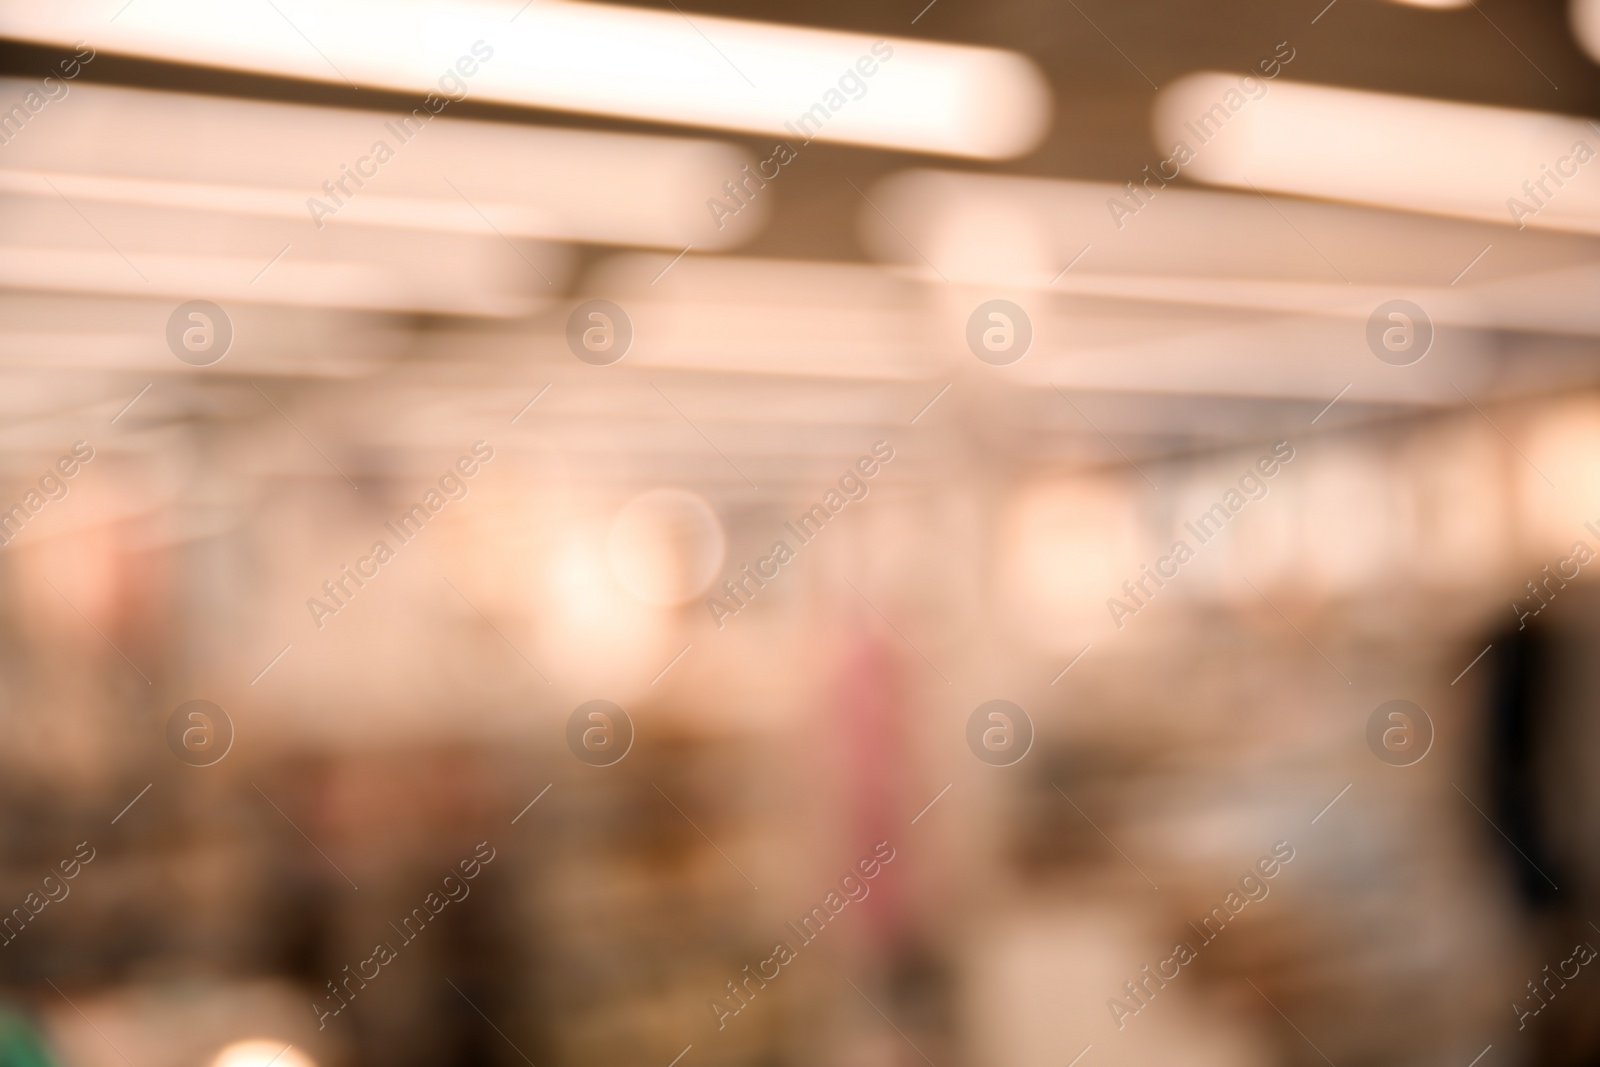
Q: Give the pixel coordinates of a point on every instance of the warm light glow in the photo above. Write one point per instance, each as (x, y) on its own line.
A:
(156, 257)
(1521, 168)
(1185, 247)
(661, 66)
(1585, 15)
(768, 316)
(1562, 443)
(365, 285)
(135, 146)
(1063, 548)
(262, 1053)
(586, 620)
(665, 546)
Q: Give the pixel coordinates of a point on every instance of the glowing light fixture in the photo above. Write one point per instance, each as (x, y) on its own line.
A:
(262, 1053)
(596, 59)
(1523, 168)
(323, 168)
(665, 546)
(46, 245)
(1163, 244)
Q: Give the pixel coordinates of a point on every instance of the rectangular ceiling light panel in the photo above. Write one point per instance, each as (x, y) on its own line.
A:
(671, 67)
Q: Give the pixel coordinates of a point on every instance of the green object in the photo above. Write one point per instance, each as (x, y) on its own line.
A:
(20, 1043)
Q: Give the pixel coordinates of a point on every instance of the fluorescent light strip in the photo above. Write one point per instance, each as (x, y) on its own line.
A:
(53, 243)
(598, 59)
(356, 285)
(1227, 250)
(1520, 168)
(136, 146)
(370, 209)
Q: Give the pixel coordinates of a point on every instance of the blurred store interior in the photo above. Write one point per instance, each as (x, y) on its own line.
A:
(596, 466)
